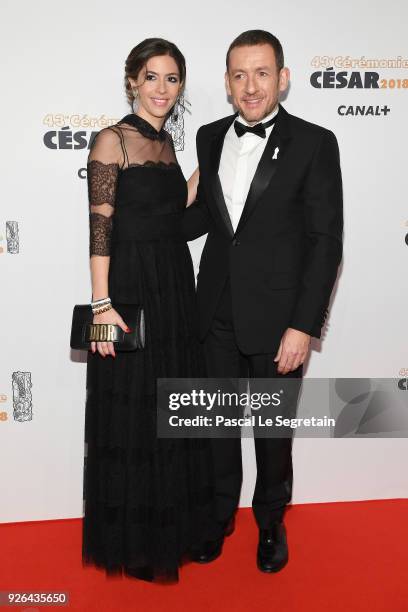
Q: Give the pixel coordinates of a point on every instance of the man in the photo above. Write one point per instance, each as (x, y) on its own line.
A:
(270, 198)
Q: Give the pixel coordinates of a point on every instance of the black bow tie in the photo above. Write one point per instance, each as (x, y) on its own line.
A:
(259, 129)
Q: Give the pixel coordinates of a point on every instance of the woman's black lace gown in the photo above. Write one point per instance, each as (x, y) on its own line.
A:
(148, 500)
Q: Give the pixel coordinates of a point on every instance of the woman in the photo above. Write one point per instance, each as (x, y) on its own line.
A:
(148, 500)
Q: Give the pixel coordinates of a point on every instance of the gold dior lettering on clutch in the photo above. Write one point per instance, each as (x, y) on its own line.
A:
(101, 333)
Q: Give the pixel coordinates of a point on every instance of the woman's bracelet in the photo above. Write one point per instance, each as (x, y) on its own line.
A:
(98, 305)
(101, 302)
(101, 309)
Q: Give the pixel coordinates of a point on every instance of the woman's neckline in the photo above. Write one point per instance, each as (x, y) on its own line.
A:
(144, 127)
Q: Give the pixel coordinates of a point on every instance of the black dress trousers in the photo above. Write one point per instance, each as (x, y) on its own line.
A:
(273, 489)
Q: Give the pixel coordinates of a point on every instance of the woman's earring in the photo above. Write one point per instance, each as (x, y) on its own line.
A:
(175, 123)
(135, 93)
(178, 108)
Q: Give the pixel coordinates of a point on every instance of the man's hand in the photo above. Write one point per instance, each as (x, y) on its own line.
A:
(292, 351)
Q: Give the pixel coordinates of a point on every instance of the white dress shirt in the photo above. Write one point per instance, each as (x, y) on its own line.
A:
(239, 160)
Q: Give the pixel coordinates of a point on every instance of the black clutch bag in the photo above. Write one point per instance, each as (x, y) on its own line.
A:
(84, 331)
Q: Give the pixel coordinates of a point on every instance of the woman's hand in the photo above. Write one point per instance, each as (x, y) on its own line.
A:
(112, 317)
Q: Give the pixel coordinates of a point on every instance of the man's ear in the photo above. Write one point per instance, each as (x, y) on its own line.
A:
(227, 84)
(284, 78)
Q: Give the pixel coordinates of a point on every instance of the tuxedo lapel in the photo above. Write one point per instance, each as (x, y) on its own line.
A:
(215, 157)
(268, 164)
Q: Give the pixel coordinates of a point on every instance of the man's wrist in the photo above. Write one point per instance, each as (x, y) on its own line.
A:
(301, 331)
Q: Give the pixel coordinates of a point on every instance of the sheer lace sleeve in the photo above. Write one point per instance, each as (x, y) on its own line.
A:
(102, 172)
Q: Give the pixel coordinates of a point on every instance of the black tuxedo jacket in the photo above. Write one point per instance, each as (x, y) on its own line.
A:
(283, 258)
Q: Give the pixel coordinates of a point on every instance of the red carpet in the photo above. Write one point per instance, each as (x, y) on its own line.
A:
(344, 557)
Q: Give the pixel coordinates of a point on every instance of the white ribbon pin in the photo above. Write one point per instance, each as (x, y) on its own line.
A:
(275, 154)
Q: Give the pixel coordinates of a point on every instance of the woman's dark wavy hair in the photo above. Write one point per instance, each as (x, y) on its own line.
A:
(139, 55)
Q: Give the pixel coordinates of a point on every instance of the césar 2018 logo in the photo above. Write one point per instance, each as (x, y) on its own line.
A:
(330, 79)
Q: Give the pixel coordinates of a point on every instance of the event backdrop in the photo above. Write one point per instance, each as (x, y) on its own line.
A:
(62, 81)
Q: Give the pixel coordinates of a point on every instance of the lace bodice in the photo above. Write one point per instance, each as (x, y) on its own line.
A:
(132, 142)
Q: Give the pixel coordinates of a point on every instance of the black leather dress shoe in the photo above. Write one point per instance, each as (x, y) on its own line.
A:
(272, 553)
(212, 550)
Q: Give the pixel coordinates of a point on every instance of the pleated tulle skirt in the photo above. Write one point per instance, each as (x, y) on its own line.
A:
(148, 500)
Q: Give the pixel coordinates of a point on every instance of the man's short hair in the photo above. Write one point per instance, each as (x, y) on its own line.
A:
(258, 37)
